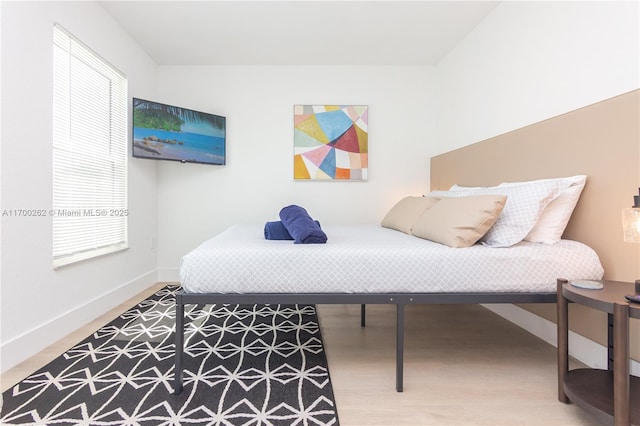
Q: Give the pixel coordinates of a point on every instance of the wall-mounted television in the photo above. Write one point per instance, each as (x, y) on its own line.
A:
(165, 132)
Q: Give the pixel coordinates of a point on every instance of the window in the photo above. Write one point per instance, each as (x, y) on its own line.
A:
(89, 153)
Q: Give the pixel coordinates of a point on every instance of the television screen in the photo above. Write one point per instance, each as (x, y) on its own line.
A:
(165, 132)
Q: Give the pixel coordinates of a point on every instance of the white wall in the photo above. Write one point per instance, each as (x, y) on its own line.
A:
(529, 61)
(197, 201)
(40, 305)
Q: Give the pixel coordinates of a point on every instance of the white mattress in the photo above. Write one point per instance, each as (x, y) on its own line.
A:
(372, 259)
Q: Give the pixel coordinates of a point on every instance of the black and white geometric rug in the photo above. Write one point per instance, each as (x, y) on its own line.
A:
(243, 365)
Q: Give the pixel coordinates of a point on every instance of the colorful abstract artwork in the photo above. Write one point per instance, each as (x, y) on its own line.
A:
(330, 142)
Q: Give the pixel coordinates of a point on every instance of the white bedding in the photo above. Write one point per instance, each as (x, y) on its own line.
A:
(372, 259)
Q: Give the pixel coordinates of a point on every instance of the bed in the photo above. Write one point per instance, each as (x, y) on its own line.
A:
(374, 265)
(370, 264)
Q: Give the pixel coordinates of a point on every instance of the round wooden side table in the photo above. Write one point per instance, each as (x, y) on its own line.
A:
(612, 395)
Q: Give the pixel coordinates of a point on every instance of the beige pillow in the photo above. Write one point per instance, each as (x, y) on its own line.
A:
(459, 221)
(404, 214)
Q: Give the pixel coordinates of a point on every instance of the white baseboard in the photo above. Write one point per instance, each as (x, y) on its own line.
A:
(37, 339)
(584, 350)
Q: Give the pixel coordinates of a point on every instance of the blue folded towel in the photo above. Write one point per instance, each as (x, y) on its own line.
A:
(301, 226)
(276, 231)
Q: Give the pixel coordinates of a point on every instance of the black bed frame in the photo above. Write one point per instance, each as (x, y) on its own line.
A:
(398, 299)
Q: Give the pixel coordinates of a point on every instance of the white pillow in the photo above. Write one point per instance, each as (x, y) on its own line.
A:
(525, 203)
(555, 217)
(456, 187)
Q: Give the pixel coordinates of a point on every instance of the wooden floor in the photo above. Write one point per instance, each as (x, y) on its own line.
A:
(464, 366)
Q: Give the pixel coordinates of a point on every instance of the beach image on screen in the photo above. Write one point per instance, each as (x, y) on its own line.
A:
(166, 132)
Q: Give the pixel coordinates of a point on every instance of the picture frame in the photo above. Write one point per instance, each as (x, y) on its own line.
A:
(331, 142)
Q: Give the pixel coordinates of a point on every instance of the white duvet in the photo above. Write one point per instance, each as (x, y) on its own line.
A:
(372, 259)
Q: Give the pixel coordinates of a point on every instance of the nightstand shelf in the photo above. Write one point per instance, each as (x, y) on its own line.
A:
(592, 390)
(606, 394)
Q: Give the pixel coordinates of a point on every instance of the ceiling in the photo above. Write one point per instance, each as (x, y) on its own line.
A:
(298, 32)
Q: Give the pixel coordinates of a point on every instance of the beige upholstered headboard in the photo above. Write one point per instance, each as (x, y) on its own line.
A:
(601, 141)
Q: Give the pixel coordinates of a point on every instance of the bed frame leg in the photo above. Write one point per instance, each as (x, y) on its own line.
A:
(179, 349)
(563, 340)
(399, 347)
(363, 312)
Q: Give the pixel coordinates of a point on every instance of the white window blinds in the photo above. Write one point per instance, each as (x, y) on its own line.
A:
(89, 153)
